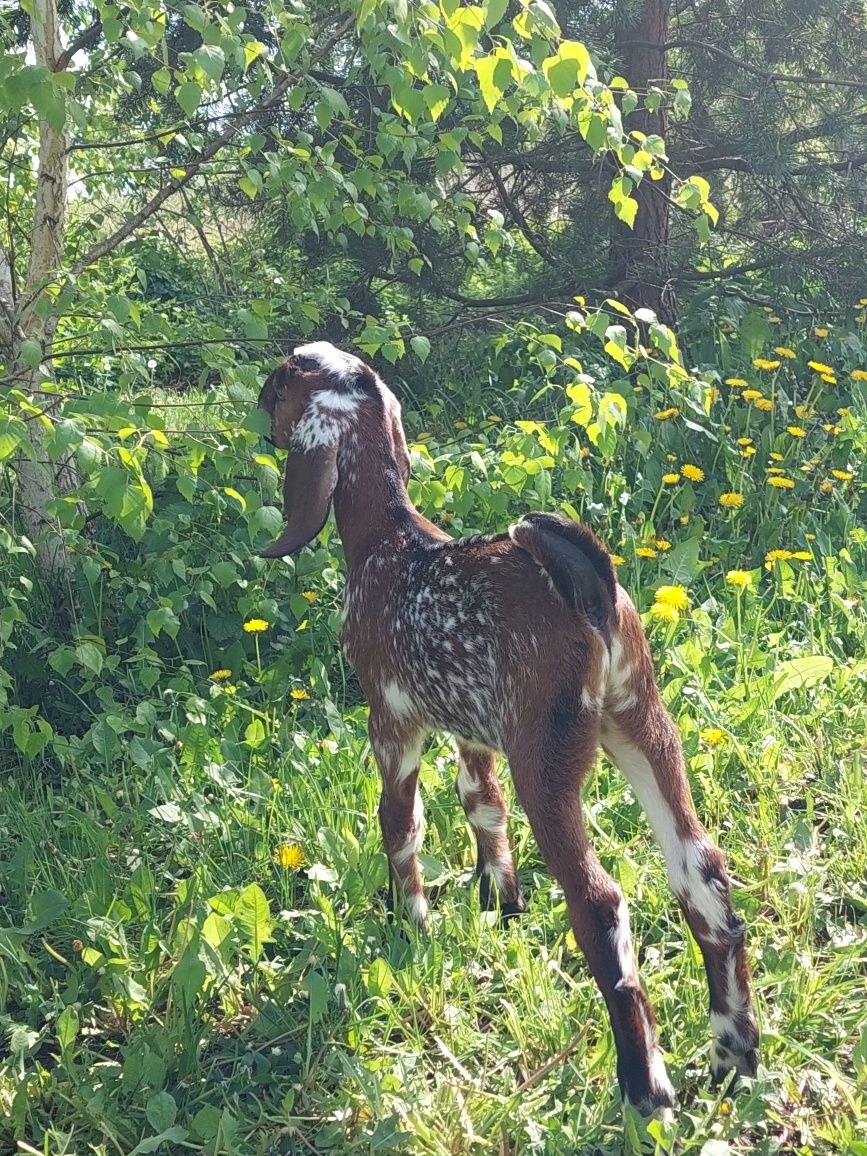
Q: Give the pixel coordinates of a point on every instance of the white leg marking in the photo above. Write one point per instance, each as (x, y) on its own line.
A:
(465, 782)
(488, 817)
(407, 765)
(413, 840)
(621, 937)
(683, 859)
(397, 699)
(416, 905)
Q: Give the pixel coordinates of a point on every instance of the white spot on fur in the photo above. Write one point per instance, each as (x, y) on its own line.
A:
(465, 782)
(331, 360)
(488, 817)
(407, 765)
(621, 938)
(416, 905)
(412, 842)
(397, 699)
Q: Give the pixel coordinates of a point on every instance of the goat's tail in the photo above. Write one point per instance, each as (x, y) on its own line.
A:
(579, 566)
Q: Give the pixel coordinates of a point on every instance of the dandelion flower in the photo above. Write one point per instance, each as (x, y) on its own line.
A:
(796, 431)
(662, 544)
(645, 552)
(713, 736)
(664, 612)
(775, 457)
(745, 441)
(617, 560)
(751, 394)
(748, 452)
(765, 363)
(221, 674)
(423, 437)
(859, 374)
(820, 367)
(843, 411)
(827, 487)
(736, 382)
(775, 470)
(829, 379)
(671, 479)
(255, 625)
(842, 475)
(665, 414)
(731, 501)
(290, 857)
(675, 596)
(310, 595)
(784, 351)
(774, 556)
(740, 578)
(822, 332)
(781, 483)
(775, 320)
(763, 403)
(493, 417)
(299, 695)
(460, 425)
(803, 555)
(693, 473)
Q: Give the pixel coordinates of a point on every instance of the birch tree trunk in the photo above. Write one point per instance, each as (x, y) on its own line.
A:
(40, 480)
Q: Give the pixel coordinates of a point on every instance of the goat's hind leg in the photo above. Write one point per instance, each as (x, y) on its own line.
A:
(397, 749)
(549, 786)
(481, 796)
(643, 741)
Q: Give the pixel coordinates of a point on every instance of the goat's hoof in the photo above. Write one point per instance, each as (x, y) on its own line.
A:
(508, 911)
(730, 1057)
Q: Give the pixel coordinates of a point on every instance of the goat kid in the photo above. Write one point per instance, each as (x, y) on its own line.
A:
(522, 643)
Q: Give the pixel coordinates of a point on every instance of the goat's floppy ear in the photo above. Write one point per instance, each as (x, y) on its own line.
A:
(308, 485)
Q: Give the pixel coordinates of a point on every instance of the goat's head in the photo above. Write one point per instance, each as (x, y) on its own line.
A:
(326, 406)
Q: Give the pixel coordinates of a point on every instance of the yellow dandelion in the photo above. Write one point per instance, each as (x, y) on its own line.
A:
(748, 452)
(810, 537)
(833, 430)
(693, 473)
(585, 452)
(460, 425)
(775, 320)
(775, 457)
(859, 374)
(493, 417)
(784, 351)
(751, 394)
(671, 479)
(796, 431)
(665, 414)
(671, 457)
(740, 578)
(745, 441)
(684, 519)
(735, 382)
(617, 559)
(423, 437)
(310, 595)
(803, 555)
(712, 736)
(731, 501)
(774, 556)
(645, 552)
(765, 363)
(664, 612)
(255, 625)
(781, 483)
(775, 470)
(843, 411)
(221, 674)
(675, 596)
(713, 394)
(290, 857)
(822, 332)
(820, 367)
(863, 301)
(299, 695)
(764, 404)
(829, 378)
(827, 487)
(276, 784)
(662, 544)
(842, 475)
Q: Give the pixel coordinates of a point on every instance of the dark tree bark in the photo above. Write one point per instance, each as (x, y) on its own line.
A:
(638, 258)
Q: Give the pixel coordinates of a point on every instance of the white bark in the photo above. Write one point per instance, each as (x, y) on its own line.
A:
(41, 480)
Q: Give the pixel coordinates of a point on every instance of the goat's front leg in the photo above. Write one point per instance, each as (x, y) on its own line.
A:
(548, 780)
(482, 799)
(643, 741)
(397, 749)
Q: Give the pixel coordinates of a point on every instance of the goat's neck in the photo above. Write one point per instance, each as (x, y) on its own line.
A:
(372, 508)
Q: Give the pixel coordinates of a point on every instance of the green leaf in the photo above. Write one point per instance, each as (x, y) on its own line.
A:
(420, 347)
(494, 73)
(161, 1111)
(379, 978)
(800, 674)
(211, 60)
(188, 96)
(30, 353)
(319, 992)
(253, 916)
(67, 1028)
(568, 69)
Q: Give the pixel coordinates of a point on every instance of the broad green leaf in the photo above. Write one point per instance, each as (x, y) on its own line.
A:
(188, 96)
(800, 674)
(253, 916)
(568, 68)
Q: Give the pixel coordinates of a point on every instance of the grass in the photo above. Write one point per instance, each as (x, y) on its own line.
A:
(316, 1026)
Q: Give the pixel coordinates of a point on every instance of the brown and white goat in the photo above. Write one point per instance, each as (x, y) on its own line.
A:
(522, 643)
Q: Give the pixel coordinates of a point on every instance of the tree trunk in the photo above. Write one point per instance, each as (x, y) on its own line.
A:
(41, 480)
(638, 259)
